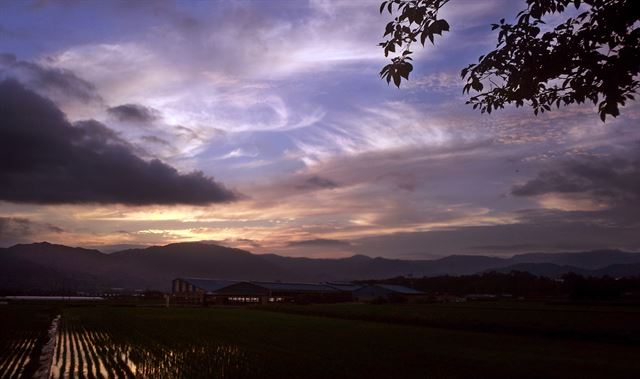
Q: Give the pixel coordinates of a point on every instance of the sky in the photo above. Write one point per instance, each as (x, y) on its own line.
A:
(264, 125)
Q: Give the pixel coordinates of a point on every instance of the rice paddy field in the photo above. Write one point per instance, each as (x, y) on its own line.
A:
(23, 331)
(128, 342)
(602, 322)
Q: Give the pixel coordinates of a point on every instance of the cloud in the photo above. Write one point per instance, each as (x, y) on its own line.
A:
(319, 242)
(15, 230)
(539, 234)
(288, 94)
(156, 140)
(612, 181)
(317, 247)
(239, 153)
(190, 133)
(46, 159)
(134, 113)
(238, 243)
(507, 248)
(317, 182)
(436, 82)
(386, 126)
(51, 81)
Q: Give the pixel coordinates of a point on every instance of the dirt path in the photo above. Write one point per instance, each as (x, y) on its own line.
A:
(46, 356)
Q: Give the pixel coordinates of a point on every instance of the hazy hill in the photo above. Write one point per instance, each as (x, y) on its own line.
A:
(590, 260)
(158, 265)
(618, 270)
(551, 270)
(56, 268)
(361, 266)
(47, 267)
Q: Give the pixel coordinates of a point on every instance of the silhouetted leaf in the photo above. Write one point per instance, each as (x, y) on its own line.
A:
(593, 55)
(396, 80)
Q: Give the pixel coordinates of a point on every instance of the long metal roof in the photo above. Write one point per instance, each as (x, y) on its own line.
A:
(209, 285)
(297, 287)
(400, 289)
(345, 287)
(215, 285)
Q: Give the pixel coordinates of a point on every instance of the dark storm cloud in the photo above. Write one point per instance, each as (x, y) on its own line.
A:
(317, 182)
(54, 81)
(614, 181)
(96, 133)
(134, 113)
(319, 242)
(46, 159)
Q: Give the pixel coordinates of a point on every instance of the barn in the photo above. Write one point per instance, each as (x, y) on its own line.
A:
(388, 292)
(212, 291)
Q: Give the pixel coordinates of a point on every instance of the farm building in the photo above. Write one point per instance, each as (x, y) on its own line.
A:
(196, 290)
(209, 291)
(389, 292)
(344, 286)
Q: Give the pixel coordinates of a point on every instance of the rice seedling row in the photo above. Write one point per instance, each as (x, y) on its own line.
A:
(111, 351)
(23, 331)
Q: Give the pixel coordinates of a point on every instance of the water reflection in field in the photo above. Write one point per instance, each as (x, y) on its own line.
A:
(15, 354)
(83, 353)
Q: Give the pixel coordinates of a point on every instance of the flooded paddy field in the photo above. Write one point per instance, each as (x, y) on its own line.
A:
(89, 349)
(23, 332)
(128, 342)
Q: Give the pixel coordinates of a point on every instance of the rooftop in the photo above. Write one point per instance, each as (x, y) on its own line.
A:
(209, 285)
(302, 287)
(215, 285)
(400, 289)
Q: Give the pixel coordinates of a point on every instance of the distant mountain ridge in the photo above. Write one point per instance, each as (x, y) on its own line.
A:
(58, 268)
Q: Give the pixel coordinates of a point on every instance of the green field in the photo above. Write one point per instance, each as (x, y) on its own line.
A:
(109, 342)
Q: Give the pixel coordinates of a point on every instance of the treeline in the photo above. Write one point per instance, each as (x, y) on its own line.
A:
(524, 284)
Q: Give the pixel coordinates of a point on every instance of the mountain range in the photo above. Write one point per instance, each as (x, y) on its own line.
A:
(57, 268)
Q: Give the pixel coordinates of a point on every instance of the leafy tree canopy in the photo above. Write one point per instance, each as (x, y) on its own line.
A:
(594, 56)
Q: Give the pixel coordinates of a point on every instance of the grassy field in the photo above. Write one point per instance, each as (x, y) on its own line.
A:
(615, 324)
(237, 342)
(23, 331)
